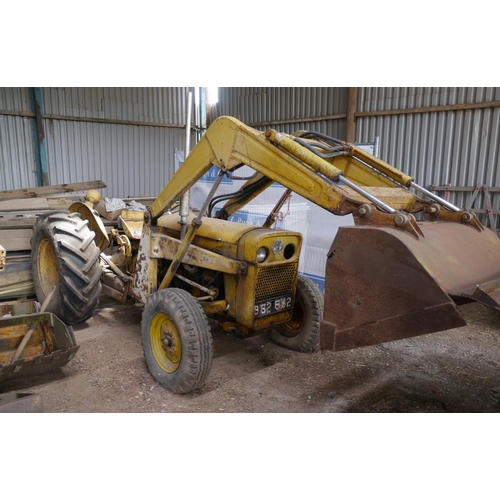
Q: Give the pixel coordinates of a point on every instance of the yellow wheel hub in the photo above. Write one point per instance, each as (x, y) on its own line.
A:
(293, 327)
(165, 342)
(47, 266)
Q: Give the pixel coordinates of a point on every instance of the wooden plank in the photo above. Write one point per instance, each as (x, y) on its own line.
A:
(43, 191)
(10, 279)
(20, 214)
(7, 234)
(30, 204)
(16, 239)
(60, 203)
(16, 280)
(26, 204)
(17, 244)
(16, 222)
(19, 289)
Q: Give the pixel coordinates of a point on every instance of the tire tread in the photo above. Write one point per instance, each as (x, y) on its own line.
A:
(196, 338)
(308, 338)
(77, 264)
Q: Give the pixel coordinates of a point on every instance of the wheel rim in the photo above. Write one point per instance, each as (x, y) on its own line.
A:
(165, 342)
(47, 266)
(294, 326)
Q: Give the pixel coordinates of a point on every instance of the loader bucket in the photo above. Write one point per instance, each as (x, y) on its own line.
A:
(51, 345)
(384, 284)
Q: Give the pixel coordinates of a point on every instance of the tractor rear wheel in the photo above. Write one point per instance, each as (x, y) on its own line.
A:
(64, 256)
(177, 340)
(301, 333)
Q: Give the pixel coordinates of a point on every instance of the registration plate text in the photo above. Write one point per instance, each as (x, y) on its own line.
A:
(273, 306)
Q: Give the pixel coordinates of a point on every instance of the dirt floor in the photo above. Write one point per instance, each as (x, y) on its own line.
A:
(453, 371)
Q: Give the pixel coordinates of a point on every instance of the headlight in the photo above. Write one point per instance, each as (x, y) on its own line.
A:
(262, 254)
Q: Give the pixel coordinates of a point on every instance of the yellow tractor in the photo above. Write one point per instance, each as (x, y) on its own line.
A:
(400, 271)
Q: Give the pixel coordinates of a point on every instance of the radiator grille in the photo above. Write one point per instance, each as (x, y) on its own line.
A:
(275, 280)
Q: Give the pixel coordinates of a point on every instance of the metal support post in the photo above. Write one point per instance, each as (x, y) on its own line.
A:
(42, 169)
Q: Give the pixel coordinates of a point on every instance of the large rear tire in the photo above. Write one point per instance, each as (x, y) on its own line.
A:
(64, 256)
(177, 340)
(302, 332)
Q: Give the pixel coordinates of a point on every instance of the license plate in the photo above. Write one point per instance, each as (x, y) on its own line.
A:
(273, 306)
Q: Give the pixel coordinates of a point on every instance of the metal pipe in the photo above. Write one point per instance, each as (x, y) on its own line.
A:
(271, 217)
(366, 194)
(189, 237)
(88, 119)
(184, 206)
(203, 112)
(339, 116)
(380, 172)
(211, 293)
(435, 197)
(210, 196)
(124, 277)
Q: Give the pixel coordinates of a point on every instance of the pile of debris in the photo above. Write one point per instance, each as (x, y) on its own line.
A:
(18, 212)
(32, 341)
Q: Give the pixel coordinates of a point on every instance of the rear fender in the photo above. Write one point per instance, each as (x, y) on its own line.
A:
(95, 223)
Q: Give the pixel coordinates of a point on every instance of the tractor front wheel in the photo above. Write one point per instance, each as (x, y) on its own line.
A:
(177, 340)
(301, 332)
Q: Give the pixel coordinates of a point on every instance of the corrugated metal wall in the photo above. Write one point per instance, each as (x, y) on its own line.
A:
(17, 147)
(451, 147)
(132, 149)
(131, 160)
(149, 104)
(126, 137)
(285, 108)
(457, 147)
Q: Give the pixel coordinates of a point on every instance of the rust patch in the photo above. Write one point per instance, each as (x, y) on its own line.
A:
(51, 345)
(39, 122)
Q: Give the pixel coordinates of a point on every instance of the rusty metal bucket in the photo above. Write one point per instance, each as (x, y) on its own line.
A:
(384, 284)
(51, 345)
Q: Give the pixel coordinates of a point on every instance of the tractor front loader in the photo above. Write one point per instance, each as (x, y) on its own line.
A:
(388, 277)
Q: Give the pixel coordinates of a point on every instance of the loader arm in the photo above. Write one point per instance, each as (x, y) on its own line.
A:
(291, 161)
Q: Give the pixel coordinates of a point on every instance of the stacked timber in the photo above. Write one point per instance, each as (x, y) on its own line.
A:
(19, 210)
(16, 280)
